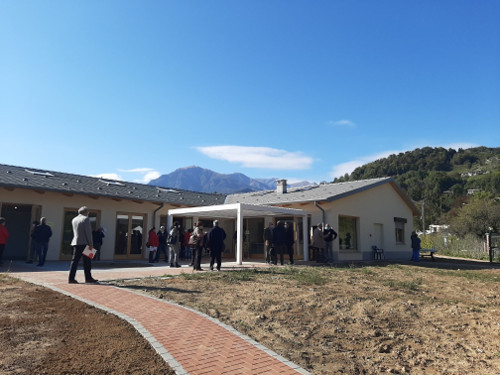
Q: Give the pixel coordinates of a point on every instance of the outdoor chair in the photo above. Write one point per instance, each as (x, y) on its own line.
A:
(378, 253)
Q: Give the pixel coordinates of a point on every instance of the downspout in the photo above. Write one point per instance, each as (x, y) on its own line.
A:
(322, 210)
(154, 213)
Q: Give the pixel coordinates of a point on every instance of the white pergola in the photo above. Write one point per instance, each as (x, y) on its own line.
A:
(240, 211)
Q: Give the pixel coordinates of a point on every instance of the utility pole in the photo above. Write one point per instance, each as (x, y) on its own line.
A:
(423, 218)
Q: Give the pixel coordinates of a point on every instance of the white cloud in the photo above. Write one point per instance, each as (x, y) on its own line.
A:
(343, 123)
(259, 157)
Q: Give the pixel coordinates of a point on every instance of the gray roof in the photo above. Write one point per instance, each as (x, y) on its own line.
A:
(43, 180)
(322, 192)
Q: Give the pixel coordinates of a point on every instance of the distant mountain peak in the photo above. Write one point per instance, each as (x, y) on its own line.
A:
(204, 180)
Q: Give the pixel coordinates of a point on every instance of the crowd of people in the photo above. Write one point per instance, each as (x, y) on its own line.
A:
(177, 244)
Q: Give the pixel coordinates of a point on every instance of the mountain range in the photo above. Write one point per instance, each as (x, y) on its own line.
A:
(204, 180)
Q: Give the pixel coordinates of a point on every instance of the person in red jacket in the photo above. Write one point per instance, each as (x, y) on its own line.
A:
(4, 235)
(152, 244)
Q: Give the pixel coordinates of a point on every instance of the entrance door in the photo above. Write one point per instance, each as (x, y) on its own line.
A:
(378, 235)
(18, 223)
(129, 241)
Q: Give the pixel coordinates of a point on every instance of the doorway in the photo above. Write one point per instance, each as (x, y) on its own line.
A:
(18, 223)
(129, 240)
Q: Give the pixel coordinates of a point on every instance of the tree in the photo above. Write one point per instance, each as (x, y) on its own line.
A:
(479, 216)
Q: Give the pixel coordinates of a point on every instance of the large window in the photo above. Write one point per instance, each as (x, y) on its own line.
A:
(399, 224)
(348, 233)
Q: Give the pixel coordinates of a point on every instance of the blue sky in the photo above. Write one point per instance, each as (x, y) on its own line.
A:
(303, 90)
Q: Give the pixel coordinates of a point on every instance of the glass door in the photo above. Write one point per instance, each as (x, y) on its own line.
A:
(129, 240)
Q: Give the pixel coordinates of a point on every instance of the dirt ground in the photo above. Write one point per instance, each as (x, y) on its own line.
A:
(45, 332)
(427, 318)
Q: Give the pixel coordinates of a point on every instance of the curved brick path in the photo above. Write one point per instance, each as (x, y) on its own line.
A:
(202, 346)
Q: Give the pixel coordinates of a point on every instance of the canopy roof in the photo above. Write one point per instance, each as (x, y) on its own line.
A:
(239, 211)
(230, 211)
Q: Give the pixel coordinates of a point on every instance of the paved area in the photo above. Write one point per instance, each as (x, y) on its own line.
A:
(203, 346)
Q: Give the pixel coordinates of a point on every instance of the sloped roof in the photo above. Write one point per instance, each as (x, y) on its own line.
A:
(318, 193)
(43, 180)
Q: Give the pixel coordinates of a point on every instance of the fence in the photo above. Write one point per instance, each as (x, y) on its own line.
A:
(493, 244)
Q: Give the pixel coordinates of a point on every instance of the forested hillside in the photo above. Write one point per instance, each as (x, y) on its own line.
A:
(441, 178)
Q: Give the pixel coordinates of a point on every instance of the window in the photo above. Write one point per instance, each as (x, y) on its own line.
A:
(348, 233)
(399, 224)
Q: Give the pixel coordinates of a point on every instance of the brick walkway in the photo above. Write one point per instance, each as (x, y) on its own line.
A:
(202, 346)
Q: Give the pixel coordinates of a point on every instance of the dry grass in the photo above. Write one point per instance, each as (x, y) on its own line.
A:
(355, 320)
(401, 319)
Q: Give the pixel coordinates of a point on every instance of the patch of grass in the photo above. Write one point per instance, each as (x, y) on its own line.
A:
(472, 275)
(306, 276)
(412, 285)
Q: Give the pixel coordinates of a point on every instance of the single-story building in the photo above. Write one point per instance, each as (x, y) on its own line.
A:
(365, 213)
(125, 210)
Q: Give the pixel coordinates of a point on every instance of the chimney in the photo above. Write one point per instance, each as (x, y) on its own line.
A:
(281, 186)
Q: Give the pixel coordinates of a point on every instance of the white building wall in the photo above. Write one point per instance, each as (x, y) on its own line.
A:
(378, 205)
(54, 204)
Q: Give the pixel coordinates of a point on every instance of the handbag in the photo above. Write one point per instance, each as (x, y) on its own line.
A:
(193, 240)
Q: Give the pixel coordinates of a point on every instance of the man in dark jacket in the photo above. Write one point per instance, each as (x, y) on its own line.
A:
(329, 235)
(279, 239)
(215, 243)
(162, 247)
(41, 235)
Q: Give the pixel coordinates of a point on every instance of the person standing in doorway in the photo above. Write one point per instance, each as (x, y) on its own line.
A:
(41, 235)
(82, 237)
(4, 236)
(329, 235)
(97, 237)
(215, 243)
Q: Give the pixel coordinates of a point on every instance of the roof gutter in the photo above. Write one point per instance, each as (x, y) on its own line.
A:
(155, 211)
(316, 204)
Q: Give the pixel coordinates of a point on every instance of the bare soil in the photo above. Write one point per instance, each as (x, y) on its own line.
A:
(45, 332)
(427, 318)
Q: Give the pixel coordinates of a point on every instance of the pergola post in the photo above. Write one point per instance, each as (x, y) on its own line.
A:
(305, 236)
(239, 236)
